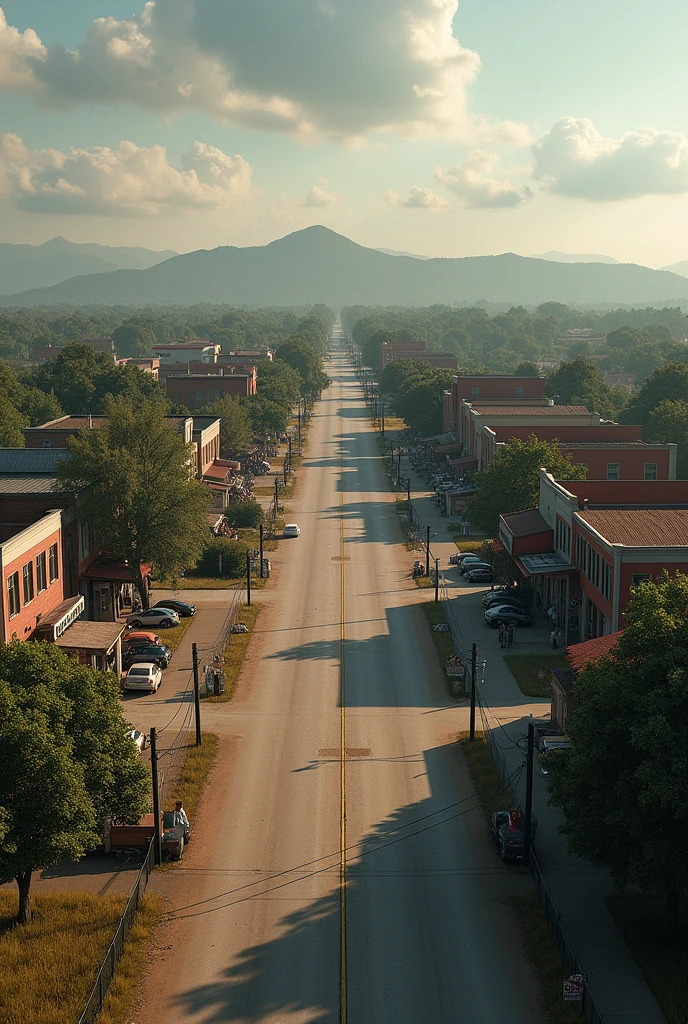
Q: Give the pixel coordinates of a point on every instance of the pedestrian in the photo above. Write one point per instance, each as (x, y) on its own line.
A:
(180, 817)
(510, 635)
(553, 638)
(502, 635)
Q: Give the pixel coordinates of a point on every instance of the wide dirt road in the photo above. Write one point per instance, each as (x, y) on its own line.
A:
(341, 872)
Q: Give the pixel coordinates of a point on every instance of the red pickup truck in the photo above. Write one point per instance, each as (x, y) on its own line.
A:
(174, 837)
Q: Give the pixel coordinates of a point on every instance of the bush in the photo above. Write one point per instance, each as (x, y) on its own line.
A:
(233, 554)
(244, 514)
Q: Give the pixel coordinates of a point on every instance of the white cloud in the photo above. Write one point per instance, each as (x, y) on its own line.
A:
(417, 199)
(126, 180)
(343, 68)
(573, 159)
(471, 181)
(319, 197)
(17, 49)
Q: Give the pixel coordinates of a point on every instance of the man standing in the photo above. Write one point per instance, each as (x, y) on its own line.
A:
(180, 817)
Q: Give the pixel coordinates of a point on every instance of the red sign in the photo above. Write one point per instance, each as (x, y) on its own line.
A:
(573, 988)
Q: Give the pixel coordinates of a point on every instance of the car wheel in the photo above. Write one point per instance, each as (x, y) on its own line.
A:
(166, 623)
(136, 624)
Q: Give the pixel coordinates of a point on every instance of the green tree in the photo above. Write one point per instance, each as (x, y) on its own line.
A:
(668, 422)
(133, 340)
(512, 483)
(527, 369)
(223, 557)
(624, 783)
(236, 432)
(132, 479)
(668, 381)
(11, 423)
(419, 400)
(39, 407)
(66, 762)
(266, 417)
(580, 382)
(244, 514)
(278, 382)
(302, 355)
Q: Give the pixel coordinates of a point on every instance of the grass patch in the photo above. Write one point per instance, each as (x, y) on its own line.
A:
(209, 583)
(492, 793)
(173, 637)
(532, 672)
(235, 651)
(193, 775)
(546, 959)
(662, 958)
(425, 582)
(466, 543)
(434, 613)
(49, 965)
(120, 995)
(394, 423)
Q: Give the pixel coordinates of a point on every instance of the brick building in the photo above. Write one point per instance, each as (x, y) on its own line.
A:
(396, 351)
(485, 388)
(31, 572)
(186, 351)
(590, 541)
(197, 390)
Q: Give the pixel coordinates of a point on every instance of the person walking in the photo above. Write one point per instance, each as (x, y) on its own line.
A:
(502, 635)
(553, 638)
(510, 635)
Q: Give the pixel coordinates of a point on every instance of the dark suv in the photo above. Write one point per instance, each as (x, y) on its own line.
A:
(158, 654)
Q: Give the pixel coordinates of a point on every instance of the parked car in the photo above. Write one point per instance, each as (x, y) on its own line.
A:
(507, 613)
(159, 654)
(508, 595)
(550, 745)
(291, 530)
(480, 576)
(143, 677)
(140, 636)
(468, 565)
(174, 837)
(182, 608)
(507, 832)
(165, 618)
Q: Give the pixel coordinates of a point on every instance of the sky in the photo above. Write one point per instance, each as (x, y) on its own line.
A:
(436, 127)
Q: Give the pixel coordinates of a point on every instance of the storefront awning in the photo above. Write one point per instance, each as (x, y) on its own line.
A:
(465, 462)
(444, 449)
(549, 564)
(91, 637)
(110, 571)
(54, 624)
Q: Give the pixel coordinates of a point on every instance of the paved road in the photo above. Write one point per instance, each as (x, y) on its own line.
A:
(263, 928)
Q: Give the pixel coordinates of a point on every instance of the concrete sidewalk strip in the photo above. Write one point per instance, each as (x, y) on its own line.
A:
(577, 887)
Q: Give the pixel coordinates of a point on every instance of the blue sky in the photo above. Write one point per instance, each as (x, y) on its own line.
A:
(534, 126)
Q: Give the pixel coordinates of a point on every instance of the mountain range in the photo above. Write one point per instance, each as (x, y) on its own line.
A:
(571, 257)
(40, 266)
(318, 265)
(678, 268)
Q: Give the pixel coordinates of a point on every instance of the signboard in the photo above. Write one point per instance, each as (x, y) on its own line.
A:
(573, 988)
(63, 624)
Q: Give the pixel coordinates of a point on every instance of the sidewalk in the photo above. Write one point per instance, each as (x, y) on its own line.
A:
(577, 887)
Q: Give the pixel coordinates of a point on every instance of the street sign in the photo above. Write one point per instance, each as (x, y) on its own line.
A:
(573, 988)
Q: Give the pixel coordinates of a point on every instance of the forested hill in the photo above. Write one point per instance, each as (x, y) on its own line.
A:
(317, 265)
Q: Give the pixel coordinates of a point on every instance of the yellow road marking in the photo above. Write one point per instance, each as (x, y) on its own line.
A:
(342, 767)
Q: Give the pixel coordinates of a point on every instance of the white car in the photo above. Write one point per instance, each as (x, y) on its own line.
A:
(291, 530)
(164, 617)
(143, 676)
(137, 738)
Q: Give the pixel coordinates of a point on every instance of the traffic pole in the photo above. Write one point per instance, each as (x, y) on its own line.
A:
(248, 579)
(260, 533)
(427, 551)
(474, 669)
(197, 695)
(528, 823)
(157, 838)
(437, 580)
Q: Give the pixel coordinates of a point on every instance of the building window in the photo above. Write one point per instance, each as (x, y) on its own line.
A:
(613, 471)
(475, 391)
(519, 392)
(41, 573)
(13, 594)
(650, 470)
(27, 580)
(639, 577)
(606, 587)
(46, 442)
(52, 563)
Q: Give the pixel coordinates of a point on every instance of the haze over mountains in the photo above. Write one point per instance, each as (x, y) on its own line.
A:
(571, 257)
(678, 268)
(40, 266)
(319, 265)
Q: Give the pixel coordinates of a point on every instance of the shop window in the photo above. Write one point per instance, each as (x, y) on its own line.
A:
(639, 577)
(13, 594)
(613, 471)
(650, 470)
(41, 573)
(27, 582)
(52, 563)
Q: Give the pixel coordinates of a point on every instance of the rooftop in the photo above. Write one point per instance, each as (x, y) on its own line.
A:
(579, 655)
(175, 346)
(95, 637)
(30, 461)
(611, 444)
(633, 527)
(531, 410)
(27, 484)
(524, 524)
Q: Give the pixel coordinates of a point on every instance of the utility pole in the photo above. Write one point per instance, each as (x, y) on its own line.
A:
(260, 531)
(474, 669)
(248, 578)
(197, 696)
(437, 580)
(383, 416)
(427, 551)
(399, 466)
(289, 443)
(157, 838)
(275, 497)
(528, 823)
(408, 499)
(299, 424)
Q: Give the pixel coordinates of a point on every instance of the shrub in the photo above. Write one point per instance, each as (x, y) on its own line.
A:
(244, 514)
(233, 554)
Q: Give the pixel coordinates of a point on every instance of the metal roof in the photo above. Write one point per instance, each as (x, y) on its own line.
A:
(30, 460)
(531, 410)
(643, 528)
(44, 484)
(525, 524)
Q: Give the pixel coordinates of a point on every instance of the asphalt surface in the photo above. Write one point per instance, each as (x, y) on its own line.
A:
(320, 886)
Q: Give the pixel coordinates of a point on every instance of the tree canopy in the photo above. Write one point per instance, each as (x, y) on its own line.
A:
(65, 761)
(131, 476)
(579, 382)
(668, 423)
(624, 783)
(511, 484)
(667, 382)
(419, 397)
